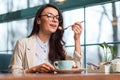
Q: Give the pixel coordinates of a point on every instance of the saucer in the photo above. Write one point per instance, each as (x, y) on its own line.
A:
(74, 70)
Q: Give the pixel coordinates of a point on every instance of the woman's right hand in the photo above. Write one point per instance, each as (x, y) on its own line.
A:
(43, 68)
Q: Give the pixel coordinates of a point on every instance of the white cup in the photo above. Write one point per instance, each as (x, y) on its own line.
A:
(63, 64)
(107, 68)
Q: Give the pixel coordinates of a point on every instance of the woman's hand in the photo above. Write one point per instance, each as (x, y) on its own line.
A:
(43, 68)
(77, 28)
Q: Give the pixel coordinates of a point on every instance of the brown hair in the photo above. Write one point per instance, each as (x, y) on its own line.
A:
(56, 51)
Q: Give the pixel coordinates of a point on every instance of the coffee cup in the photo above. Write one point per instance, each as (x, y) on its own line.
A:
(63, 64)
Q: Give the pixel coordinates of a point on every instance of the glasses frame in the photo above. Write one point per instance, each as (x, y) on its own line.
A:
(51, 17)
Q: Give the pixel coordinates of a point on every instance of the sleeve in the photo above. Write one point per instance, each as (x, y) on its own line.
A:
(17, 58)
(76, 58)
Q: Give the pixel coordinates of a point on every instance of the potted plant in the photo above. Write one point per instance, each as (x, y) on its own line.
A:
(108, 49)
(109, 54)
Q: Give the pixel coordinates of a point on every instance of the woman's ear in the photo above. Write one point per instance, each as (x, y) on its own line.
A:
(38, 21)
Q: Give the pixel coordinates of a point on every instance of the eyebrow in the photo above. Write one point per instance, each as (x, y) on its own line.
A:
(52, 14)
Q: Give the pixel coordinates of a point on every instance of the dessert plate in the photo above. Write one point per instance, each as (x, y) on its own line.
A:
(74, 70)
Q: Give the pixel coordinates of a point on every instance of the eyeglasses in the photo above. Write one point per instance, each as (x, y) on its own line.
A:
(51, 17)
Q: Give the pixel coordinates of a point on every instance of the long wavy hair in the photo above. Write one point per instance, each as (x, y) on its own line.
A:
(56, 50)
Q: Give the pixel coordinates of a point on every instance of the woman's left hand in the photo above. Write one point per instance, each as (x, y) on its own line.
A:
(77, 28)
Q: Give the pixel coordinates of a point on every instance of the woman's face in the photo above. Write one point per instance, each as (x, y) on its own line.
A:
(49, 20)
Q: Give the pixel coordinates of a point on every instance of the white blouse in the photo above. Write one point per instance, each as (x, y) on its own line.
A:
(42, 50)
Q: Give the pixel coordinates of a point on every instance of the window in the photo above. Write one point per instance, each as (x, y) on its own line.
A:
(100, 26)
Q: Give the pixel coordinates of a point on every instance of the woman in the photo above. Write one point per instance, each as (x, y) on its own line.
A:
(44, 45)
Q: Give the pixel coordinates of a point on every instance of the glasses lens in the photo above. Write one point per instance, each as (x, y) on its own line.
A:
(57, 17)
(50, 16)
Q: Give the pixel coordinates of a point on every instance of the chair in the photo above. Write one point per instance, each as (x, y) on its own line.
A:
(4, 62)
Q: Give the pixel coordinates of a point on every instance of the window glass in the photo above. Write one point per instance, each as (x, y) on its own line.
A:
(92, 54)
(118, 8)
(10, 33)
(3, 37)
(3, 7)
(29, 25)
(17, 5)
(100, 28)
(98, 24)
(37, 2)
(70, 17)
(17, 30)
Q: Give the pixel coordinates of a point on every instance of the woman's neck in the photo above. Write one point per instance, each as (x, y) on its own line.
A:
(43, 37)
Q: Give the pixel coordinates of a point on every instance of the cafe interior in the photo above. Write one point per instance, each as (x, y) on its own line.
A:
(100, 40)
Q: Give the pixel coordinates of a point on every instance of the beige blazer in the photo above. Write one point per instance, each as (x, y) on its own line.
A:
(23, 55)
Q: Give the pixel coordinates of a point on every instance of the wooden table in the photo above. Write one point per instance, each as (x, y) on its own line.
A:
(78, 76)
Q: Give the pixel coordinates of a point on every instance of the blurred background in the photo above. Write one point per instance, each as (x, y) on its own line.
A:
(102, 24)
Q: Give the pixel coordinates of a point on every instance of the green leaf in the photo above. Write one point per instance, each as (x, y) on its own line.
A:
(101, 45)
(111, 49)
(105, 44)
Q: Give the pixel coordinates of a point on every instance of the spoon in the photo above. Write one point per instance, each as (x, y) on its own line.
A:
(60, 28)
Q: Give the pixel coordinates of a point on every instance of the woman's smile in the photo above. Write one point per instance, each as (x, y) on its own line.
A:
(53, 26)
